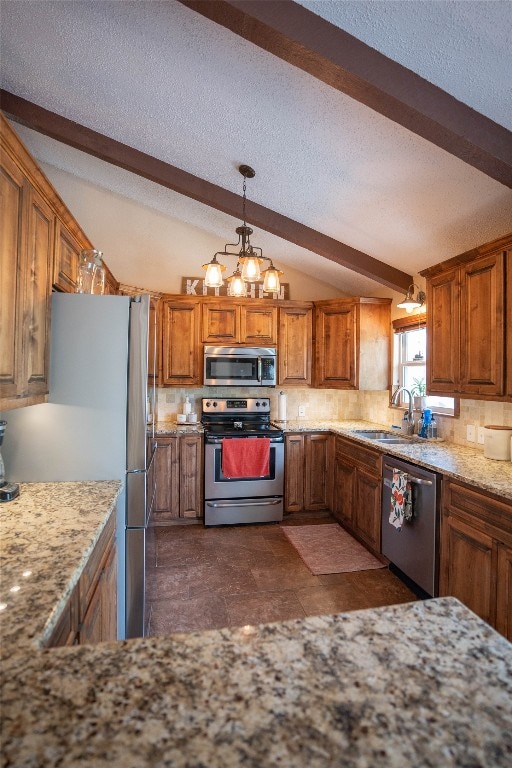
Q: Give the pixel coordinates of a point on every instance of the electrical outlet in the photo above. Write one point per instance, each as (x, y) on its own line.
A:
(470, 433)
(302, 411)
(481, 435)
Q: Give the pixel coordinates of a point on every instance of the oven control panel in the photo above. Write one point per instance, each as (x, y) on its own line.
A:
(224, 405)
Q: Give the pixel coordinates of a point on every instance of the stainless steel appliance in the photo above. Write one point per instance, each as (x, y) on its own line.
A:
(414, 549)
(230, 501)
(95, 425)
(240, 366)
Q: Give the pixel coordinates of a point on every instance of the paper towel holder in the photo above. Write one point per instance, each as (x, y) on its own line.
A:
(281, 408)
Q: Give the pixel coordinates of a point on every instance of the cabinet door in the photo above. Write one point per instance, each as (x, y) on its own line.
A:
(67, 252)
(335, 347)
(443, 346)
(317, 475)
(35, 314)
(468, 566)
(504, 592)
(191, 476)
(367, 508)
(12, 193)
(258, 325)
(482, 326)
(295, 345)
(108, 586)
(294, 473)
(91, 628)
(167, 497)
(221, 323)
(180, 343)
(508, 320)
(344, 489)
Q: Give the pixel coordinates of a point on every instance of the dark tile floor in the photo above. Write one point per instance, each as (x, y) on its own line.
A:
(208, 578)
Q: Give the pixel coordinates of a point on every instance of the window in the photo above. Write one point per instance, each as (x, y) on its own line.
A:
(409, 364)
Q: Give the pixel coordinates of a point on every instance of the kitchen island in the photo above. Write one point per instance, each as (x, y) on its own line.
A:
(423, 684)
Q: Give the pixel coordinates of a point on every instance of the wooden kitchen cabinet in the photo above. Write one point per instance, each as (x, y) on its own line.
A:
(179, 478)
(90, 615)
(357, 490)
(230, 322)
(476, 553)
(467, 331)
(39, 245)
(295, 345)
(308, 472)
(181, 351)
(352, 343)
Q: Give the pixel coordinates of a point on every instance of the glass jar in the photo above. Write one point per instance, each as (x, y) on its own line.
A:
(91, 272)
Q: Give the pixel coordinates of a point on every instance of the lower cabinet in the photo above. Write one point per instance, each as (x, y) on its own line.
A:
(476, 553)
(179, 478)
(90, 615)
(357, 490)
(308, 472)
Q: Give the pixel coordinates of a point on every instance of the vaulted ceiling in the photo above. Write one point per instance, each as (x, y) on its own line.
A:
(379, 131)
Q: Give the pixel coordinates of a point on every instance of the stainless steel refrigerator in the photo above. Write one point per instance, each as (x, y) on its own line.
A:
(95, 425)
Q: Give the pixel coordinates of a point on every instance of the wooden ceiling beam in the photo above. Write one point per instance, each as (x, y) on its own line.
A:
(160, 172)
(328, 53)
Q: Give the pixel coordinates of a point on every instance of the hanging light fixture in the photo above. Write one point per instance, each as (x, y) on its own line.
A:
(409, 302)
(249, 258)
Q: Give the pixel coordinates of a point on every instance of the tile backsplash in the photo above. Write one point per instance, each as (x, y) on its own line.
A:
(341, 404)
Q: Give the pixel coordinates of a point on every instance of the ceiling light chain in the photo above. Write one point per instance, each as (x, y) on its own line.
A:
(249, 257)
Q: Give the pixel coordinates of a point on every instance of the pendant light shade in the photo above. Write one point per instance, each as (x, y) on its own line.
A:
(214, 270)
(249, 258)
(409, 303)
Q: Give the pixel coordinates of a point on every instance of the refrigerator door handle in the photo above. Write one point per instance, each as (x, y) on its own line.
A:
(136, 499)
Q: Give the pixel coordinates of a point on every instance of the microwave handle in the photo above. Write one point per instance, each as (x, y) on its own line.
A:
(259, 370)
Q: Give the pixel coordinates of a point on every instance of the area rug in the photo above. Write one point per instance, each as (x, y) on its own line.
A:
(329, 549)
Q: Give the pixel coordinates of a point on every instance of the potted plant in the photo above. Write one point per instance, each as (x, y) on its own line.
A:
(419, 392)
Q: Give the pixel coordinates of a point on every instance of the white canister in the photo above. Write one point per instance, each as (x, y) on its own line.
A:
(497, 442)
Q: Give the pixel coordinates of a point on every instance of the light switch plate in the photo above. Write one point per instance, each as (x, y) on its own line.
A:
(470, 433)
(302, 411)
(481, 434)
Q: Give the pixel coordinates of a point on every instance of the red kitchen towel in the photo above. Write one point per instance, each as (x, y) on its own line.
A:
(246, 457)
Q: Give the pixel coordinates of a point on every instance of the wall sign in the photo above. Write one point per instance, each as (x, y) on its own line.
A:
(194, 286)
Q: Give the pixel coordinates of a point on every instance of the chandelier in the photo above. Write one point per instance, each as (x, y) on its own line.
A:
(249, 258)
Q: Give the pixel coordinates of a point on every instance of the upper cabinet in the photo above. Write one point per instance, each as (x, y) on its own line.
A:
(180, 341)
(295, 344)
(230, 322)
(468, 323)
(352, 343)
(39, 246)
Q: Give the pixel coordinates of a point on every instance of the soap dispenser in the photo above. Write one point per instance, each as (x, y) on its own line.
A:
(187, 407)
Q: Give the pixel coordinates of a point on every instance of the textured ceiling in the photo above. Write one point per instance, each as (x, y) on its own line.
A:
(161, 78)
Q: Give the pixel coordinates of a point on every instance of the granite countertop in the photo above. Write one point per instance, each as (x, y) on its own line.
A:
(424, 684)
(46, 536)
(454, 461)
(420, 684)
(173, 428)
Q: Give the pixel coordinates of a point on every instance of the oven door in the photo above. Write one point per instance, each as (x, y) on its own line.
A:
(217, 486)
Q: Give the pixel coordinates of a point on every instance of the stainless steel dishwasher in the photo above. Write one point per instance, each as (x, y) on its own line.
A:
(415, 549)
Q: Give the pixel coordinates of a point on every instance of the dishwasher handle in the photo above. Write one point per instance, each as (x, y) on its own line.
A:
(411, 478)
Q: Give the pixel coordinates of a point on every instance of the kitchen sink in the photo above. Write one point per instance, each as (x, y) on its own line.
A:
(381, 436)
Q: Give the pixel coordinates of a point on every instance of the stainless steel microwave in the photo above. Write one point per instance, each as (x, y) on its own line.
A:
(240, 366)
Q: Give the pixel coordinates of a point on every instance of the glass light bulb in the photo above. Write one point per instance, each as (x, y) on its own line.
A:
(213, 277)
(251, 269)
(237, 286)
(271, 283)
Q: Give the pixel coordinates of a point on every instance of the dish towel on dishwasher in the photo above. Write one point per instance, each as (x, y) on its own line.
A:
(246, 457)
(401, 499)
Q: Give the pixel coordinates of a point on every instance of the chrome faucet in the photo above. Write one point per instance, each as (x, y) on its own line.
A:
(410, 413)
